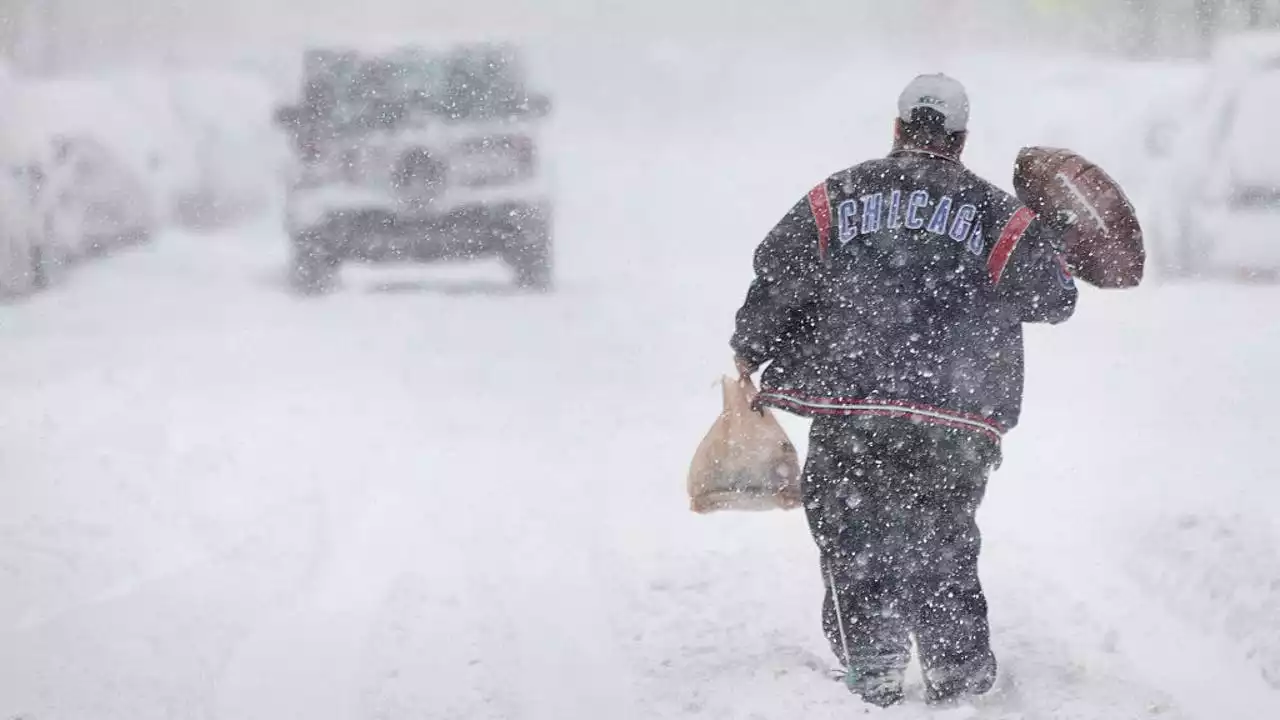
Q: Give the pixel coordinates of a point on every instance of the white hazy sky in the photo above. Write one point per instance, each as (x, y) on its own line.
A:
(106, 29)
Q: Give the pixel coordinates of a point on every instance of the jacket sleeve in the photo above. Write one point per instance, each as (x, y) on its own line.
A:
(787, 263)
(1029, 272)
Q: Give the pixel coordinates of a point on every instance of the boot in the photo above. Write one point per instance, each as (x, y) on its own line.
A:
(881, 688)
(949, 683)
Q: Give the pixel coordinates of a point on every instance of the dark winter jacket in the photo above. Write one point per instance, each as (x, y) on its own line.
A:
(898, 288)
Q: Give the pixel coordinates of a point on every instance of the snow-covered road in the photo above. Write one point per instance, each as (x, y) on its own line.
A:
(427, 497)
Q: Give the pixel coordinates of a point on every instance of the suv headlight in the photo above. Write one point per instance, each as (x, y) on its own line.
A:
(493, 160)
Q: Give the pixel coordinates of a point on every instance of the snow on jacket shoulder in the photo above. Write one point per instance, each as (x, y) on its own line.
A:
(898, 288)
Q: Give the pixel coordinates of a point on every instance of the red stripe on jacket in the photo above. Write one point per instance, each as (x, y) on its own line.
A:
(820, 205)
(1004, 247)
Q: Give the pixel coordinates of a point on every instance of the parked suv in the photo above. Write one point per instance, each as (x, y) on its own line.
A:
(415, 155)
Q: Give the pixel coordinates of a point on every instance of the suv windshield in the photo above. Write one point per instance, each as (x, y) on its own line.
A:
(349, 92)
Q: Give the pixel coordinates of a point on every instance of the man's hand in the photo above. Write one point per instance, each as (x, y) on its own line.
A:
(745, 370)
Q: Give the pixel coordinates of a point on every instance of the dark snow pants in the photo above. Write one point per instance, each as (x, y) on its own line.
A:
(891, 504)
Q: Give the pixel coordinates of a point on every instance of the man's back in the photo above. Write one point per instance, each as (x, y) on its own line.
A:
(899, 286)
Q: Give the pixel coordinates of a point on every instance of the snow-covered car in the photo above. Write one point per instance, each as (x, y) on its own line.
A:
(417, 155)
(1215, 196)
(198, 141)
(90, 143)
(97, 203)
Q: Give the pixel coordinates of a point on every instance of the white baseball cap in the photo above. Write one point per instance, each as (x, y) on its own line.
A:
(938, 92)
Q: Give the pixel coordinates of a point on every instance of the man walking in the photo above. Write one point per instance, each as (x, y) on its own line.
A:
(888, 305)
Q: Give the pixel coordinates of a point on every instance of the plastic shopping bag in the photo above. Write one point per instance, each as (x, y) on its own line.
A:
(745, 462)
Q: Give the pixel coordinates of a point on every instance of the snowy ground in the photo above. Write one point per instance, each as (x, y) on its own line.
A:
(428, 497)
